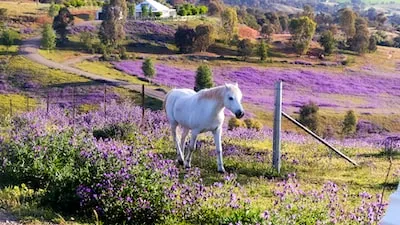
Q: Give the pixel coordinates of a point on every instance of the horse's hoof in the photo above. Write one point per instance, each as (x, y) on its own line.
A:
(180, 162)
(221, 170)
(187, 166)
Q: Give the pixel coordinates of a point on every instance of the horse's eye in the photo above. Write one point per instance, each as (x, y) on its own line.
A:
(231, 98)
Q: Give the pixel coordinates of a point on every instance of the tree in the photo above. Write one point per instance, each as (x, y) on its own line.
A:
(284, 21)
(54, 9)
(185, 38)
(302, 30)
(262, 50)
(203, 78)
(381, 19)
(204, 37)
(87, 39)
(229, 23)
(349, 123)
(48, 41)
(203, 9)
(148, 68)
(61, 22)
(267, 30)
(309, 116)
(9, 37)
(273, 19)
(245, 48)
(3, 13)
(360, 41)
(347, 20)
(372, 43)
(308, 11)
(328, 41)
(112, 28)
(145, 11)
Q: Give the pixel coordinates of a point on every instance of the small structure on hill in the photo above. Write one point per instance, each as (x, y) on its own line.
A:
(154, 8)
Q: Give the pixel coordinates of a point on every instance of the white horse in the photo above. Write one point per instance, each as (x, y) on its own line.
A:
(201, 112)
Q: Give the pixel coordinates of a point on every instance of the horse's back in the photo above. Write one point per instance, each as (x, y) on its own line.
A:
(173, 97)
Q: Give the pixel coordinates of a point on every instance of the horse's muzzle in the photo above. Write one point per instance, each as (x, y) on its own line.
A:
(239, 114)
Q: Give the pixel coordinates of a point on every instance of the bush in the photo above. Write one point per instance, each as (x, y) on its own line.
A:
(185, 38)
(204, 78)
(204, 37)
(349, 123)
(122, 53)
(88, 40)
(372, 43)
(309, 116)
(74, 3)
(245, 48)
(328, 41)
(54, 9)
(9, 37)
(3, 13)
(148, 68)
(235, 123)
(253, 124)
(157, 14)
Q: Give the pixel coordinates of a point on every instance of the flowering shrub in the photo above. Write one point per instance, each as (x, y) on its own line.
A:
(107, 164)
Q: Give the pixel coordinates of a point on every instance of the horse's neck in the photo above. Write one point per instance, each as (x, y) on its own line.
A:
(214, 95)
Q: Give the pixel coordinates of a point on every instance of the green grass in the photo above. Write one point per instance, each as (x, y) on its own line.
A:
(17, 8)
(60, 55)
(107, 70)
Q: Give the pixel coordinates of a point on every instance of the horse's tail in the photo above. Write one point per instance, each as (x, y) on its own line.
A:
(165, 102)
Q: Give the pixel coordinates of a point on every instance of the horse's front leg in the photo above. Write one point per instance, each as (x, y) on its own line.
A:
(218, 145)
(192, 146)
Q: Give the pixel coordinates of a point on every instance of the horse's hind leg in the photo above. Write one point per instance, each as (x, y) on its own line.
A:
(185, 132)
(192, 146)
(177, 146)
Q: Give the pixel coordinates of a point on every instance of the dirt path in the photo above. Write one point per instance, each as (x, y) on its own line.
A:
(30, 47)
(7, 219)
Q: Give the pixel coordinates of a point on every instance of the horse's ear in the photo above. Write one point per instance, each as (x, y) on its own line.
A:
(226, 85)
(236, 84)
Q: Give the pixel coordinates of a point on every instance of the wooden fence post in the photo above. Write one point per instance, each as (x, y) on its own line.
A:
(105, 102)
(73, 107)
(143, 103)
(47, 103)
(27, 103)
(11, 111)
(276, 144)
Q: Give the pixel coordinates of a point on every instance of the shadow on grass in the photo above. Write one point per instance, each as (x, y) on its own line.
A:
(381, 155)
(149, 48)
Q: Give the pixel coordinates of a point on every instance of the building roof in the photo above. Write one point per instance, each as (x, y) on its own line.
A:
(156, 6)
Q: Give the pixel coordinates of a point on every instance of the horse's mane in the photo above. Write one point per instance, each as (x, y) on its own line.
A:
(212, 93)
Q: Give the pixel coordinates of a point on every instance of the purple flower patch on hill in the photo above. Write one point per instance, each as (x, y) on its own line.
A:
(300, 86)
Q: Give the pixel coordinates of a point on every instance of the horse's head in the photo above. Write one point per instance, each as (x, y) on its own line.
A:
(233, 99)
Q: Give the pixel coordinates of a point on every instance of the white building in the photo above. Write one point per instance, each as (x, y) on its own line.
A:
(155, 7)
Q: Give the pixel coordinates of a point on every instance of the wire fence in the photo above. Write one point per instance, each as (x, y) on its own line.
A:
(72, 98)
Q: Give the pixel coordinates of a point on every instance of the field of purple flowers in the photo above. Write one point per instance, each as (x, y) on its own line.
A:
(124, 170)
(350, 90)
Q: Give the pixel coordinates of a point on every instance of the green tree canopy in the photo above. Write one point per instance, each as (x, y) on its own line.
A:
(262, 50)
(349, 123)
(229, 21)
(302, 30)
(9, 38)
(61, 22)
(148, 68)
(185, 38)
(112, 28)
(328, 41)
(204, 78)
(347, 19)
(204, 37)
(309, 116)
(245, 48)
(48, 41)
